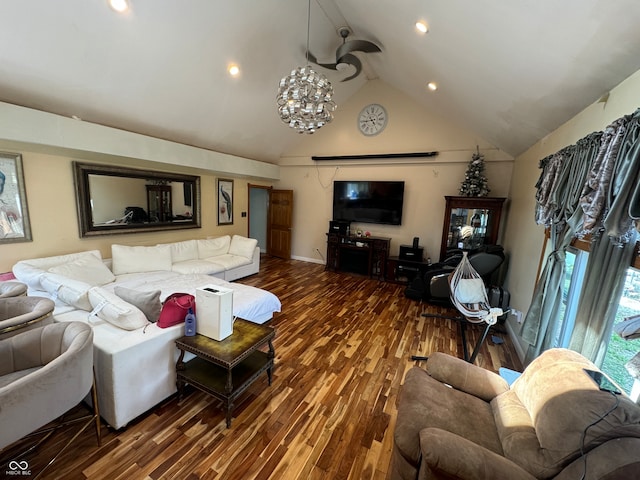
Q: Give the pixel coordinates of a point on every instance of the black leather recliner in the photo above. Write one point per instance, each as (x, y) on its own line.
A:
(433, 286)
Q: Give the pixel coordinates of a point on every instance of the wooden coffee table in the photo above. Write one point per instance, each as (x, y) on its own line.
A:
(226, 368)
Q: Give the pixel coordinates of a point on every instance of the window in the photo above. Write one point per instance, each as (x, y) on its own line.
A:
(575, 264)
(619, 350)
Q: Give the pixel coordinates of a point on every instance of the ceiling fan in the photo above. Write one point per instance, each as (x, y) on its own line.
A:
(344, 57)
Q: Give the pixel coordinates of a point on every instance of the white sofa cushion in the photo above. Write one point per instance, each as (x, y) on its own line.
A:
(67, 290)
(88, 269)
(29, 271)
(198, 266)
(229, 261)
(183, 251)
(111, 308)
(243, 246)
(140, 259)
(212, 247)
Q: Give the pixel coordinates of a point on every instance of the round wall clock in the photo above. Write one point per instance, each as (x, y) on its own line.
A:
(372, 119)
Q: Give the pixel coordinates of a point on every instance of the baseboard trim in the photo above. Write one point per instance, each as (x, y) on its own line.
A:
(307, 259)
(516, 341)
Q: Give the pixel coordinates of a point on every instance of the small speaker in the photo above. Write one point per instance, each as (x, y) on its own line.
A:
(415, 242)
(340, 227)
(408, 252)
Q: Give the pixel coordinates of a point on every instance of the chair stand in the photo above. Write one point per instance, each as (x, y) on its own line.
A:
(463, 333)
(90, 418)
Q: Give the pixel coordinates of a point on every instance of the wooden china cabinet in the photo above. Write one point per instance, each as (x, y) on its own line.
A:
(159, 203)
(470, 223)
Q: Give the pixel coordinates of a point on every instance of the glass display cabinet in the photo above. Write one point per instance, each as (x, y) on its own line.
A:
(470, 223)
(159, 203)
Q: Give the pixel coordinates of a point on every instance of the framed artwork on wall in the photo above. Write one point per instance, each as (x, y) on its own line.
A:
(225, 202)
(14, 215)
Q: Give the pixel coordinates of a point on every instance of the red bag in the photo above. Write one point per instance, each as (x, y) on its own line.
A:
(175, 308)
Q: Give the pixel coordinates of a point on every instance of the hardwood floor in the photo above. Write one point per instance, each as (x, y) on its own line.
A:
(343, 344)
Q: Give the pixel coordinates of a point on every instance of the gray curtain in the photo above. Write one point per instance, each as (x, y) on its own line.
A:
(618, 222)
(601, 292)
(559, 189)
(591, 188)
(614, 241)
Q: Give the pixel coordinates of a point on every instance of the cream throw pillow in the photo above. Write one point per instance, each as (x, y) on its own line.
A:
(88, 269)
(183, 251)
(243, 246)
(470, 290)
(213, 247)
(140, 259)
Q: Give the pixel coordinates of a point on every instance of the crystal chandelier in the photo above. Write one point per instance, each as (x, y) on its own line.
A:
(304, 96)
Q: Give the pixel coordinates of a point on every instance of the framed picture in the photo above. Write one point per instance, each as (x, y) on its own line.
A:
(14, 215)
(225, 202)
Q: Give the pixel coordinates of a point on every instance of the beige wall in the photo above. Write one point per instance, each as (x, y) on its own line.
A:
(523, 237)
(410, 129)
(52, 209)
(51, 198)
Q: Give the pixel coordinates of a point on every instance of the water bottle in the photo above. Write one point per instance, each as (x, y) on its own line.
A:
(190, 324)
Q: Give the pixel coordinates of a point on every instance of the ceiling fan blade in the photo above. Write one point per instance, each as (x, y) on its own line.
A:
(351, 60)
(313, 59)
(356, 46)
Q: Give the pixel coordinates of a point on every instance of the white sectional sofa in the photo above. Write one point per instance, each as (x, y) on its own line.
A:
(224, 257)
(134, 358)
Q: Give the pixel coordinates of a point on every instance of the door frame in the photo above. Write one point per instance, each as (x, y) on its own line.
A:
(261, 187)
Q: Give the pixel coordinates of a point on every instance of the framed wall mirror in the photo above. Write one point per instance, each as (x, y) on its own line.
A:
(115, 200)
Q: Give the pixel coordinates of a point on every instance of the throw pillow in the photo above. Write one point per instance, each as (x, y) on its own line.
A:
(183, 251)
(140, 259)
(213, 247)
(72, 292)
(88, 269)
(470, 290)
(243, 246)
(29, 271)
(148, 302)
(111, 308)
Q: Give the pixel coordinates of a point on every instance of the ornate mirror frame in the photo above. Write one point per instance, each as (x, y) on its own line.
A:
(128, 223)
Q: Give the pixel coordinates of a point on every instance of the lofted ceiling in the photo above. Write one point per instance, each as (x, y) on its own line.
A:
(511, 71)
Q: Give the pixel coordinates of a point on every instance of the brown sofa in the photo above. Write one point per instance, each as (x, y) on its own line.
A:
(457, 420)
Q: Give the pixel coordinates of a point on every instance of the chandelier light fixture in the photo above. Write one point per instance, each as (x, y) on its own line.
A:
(304, 96)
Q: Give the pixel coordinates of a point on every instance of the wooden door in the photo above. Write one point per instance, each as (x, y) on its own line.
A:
(279, 223)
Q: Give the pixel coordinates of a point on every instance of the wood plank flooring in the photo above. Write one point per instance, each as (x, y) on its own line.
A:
(343, 344)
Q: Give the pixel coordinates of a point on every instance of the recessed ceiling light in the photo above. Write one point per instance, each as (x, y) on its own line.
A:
(234, 70)
(422, 27)
(119, 5)
(433, 86)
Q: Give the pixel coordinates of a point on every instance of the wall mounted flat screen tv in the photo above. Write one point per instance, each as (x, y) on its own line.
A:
(368, 201)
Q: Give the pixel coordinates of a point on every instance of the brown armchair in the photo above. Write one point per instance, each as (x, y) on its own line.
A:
(457, 420)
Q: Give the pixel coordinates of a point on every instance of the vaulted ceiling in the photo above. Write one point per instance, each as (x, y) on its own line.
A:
(512, 71)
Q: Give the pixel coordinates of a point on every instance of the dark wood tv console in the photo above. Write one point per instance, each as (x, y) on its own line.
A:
(363, 255)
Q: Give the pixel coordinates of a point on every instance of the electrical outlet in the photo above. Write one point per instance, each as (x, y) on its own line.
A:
(518, 315)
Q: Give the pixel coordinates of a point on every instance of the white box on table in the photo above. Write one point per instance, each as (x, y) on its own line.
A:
(214, 311)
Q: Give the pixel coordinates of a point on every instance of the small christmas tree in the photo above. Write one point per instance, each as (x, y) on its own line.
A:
(475, 183)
